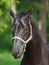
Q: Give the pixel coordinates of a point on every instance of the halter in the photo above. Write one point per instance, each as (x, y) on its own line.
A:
(30, 37)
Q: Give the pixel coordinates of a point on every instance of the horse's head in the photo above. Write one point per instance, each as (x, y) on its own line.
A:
(22, 32)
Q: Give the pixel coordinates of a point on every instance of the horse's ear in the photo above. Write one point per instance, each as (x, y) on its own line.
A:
(27, 13)
(12, 13)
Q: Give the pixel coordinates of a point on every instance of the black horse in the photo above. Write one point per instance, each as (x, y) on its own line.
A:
(26, 35)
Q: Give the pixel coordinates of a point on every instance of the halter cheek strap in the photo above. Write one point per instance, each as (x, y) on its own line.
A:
(30, 37)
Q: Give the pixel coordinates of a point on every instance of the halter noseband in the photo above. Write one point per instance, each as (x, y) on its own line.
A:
(30, 37)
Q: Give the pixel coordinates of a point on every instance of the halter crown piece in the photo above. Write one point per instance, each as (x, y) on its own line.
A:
(30, 37)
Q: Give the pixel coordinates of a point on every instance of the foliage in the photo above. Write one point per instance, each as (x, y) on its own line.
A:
(4, 6)
(7, 59)
(5, 35)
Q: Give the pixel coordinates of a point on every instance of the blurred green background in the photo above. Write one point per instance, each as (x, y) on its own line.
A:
(6, 57)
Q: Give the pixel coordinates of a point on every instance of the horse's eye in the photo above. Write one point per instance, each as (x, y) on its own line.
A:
(14, 40)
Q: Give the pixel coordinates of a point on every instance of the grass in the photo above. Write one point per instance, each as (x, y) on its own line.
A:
(6, 58)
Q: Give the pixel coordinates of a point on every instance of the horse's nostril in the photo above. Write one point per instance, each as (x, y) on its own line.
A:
(15, 53)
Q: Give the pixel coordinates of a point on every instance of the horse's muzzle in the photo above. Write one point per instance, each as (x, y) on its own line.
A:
(16, 55)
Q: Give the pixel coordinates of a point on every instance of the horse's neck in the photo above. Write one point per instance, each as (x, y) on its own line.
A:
(41, 54)
(40, 46)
